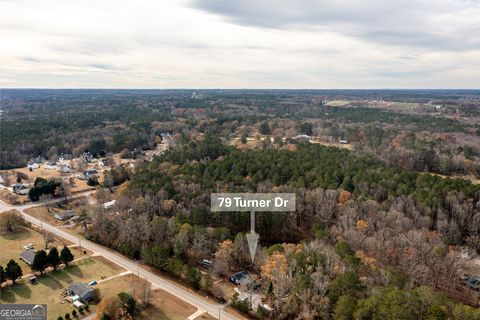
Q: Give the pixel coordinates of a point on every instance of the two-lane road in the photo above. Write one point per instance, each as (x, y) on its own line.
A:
(187, 295)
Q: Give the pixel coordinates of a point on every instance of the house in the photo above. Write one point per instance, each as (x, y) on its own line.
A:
(33, 165)
(239, 277)
(65, 215)
(37, 159)
(302, 137)
(28, 256)
(64, 157)
(82, 290)
(109, 204)
(20, 189)
(64, 169)
(87, 156)
(50, 165)
(89, 174)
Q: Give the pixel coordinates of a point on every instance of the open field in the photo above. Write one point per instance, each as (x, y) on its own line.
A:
(165, 306)
(49, 287)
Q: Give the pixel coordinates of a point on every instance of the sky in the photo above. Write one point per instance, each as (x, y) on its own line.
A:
(240, 44)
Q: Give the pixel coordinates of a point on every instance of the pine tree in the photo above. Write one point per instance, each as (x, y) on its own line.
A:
(13, 271)
(53, 258)
(66, 256)
(40, 262)
(2, 274)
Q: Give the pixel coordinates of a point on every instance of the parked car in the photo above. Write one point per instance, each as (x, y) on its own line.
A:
(473, 282)
(206, 263)
(238, 277)
(92, 283)
(28, 246)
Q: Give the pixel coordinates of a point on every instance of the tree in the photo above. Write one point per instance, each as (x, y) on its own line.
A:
(128, 303)
(47, 238)
(66, 255)
(108, 307)
(193, 276)
(11, 220)
(144, 290)
(40, 261)
(2, 275)
(344, 308)
(265, 128)
(13, 271)
(347, 283)
(53, 258)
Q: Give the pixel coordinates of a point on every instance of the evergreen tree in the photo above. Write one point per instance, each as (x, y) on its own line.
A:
(13, 271)
(2, 274)
(40, 262)
(53, 258)
(66, 255)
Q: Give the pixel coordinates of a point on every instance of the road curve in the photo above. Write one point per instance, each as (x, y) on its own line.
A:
(189, 296)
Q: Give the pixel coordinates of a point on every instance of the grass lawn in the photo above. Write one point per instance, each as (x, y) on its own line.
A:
(163, 305)
(11, 246)
(42, 213)
(49, 287)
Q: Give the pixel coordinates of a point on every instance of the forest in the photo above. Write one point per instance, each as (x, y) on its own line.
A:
(367, 241)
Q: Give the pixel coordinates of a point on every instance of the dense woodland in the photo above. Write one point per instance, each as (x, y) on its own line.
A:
(367, 240)
(375, 235)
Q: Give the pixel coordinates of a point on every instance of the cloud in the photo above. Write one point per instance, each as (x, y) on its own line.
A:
(438, 24)
(239, 44)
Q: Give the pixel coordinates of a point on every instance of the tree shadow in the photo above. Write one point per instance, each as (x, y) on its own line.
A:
(74, 270)
(7, 295)
(50, 282)
(23, 290)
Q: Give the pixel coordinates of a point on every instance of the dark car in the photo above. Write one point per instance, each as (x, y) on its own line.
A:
(473, 282)
(238, 277)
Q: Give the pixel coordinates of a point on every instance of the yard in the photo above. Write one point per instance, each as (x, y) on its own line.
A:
(11, 246)
(163, 305)
(49, 287)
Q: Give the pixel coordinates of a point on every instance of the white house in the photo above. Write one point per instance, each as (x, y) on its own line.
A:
(51, 165)
(109, 204)
(33, 165)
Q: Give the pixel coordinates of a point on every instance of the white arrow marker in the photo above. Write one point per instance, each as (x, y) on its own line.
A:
(252, 237)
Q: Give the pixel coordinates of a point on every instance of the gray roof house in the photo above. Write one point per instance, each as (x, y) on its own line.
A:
(83, 290)
(28, 256)
(65, 215)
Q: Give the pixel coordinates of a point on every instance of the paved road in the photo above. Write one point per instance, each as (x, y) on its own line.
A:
(157, 281)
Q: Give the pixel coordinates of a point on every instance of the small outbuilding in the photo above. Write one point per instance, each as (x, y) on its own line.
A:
(65, 215)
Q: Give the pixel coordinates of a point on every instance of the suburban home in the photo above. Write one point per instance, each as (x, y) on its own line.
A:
(50, 165)
(87, 156)
(82, 290)
(89, 174)
(28, 256)
(65, 215)
(64, 157)
(20, 189)
(33, 165)
(64, 169)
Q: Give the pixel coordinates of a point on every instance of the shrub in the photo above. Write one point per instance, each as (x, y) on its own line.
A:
(74, 313)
